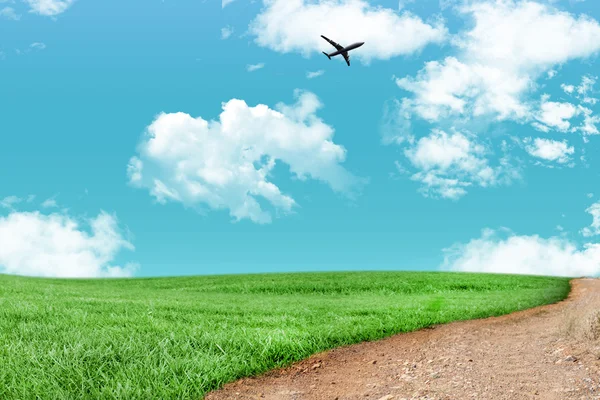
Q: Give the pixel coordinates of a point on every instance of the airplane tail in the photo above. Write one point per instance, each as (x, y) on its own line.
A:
(327, 55)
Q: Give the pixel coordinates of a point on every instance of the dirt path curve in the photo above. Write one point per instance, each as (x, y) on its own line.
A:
(547, 353)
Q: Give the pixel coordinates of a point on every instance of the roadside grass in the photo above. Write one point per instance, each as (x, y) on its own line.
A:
(159, 338)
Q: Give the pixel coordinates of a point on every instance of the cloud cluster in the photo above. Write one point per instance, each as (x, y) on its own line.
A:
(499, 59)
(549, 150)
(503, 251)
(449, 163)
(54, 245)
(511, 44)
(49, 8)
(296, 25)
(555, 115)
(226, 164)
(583, 93)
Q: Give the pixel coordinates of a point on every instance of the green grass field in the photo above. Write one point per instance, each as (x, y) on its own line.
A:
(181, 337)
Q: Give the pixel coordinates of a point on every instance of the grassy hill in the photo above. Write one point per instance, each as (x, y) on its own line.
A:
(181, 337)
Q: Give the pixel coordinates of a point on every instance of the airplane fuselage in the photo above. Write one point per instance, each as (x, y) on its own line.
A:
(339, 49)
(347, 48)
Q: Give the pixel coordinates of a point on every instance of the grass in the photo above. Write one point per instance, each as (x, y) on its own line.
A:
(159, 338)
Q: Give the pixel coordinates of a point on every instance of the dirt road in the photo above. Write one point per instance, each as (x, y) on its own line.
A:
(548, 353)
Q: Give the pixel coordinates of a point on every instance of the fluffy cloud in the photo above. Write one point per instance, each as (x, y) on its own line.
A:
(511, 44)
(568, 89)
(54, 245)
(455, 88)
(49, 7)
(226, 164)
(555, 115)
(491, 77)
(295, 26)
(549, 150)
(505, 252)
(594, 228)
(449, 164)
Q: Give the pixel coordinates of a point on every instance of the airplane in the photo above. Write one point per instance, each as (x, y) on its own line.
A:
(341, 49)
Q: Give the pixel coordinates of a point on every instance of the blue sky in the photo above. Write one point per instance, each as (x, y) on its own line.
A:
(183, 137)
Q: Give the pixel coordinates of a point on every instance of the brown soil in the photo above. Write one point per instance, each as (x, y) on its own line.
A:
(547, 353)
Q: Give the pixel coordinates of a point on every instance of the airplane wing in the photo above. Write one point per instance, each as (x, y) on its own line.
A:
(346, 57)
(334, 44)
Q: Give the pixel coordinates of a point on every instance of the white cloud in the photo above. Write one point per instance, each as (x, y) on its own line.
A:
(525, 34)
(226, 32)
(254, 67)
(550, 150)
(49, 203)
(583, 90)
(569, 89)
(511, 44)
(9, 13)
(555, 114)
(226, 164)
(295, 26)
(10, 201)
(590, 195)
(589, 122)
(49, 7)
(453, 87)
(55, 246)
(314, 74)
(594, 228)
(540, 127)
(450, 163)
(225, 3)
(506, 252)
(491, 77)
